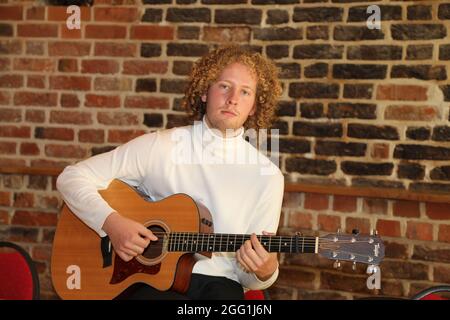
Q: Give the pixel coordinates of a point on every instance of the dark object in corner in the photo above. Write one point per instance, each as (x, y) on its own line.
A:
(70, 2)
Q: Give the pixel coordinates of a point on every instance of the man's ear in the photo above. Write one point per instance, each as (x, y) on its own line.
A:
(203, 97)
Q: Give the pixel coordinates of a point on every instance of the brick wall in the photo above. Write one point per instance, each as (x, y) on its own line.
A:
(360, 107)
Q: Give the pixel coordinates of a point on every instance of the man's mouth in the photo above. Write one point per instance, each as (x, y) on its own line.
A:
(228, 113)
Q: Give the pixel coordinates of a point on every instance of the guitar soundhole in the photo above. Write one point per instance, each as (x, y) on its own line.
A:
(155, 249)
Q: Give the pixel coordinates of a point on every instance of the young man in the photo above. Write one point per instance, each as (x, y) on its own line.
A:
(230, 90)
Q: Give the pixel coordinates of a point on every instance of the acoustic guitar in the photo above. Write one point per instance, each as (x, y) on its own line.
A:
(84, 265)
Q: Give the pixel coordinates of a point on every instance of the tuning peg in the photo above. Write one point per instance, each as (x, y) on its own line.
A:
(373, 232)
(338, 231)
(337, 264)
(355, 231)
(354, 266)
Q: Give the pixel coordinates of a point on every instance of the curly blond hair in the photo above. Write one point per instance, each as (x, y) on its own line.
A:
(208, 69)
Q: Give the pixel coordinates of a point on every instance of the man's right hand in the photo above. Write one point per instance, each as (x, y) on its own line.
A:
(128, 237)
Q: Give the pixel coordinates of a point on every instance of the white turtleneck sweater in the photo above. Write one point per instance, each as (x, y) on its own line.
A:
(242, 188)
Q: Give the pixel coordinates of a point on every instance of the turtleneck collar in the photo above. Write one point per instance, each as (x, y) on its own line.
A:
(214, 145)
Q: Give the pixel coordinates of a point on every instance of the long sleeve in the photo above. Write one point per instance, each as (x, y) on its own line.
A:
(79, 183)
(269, 211)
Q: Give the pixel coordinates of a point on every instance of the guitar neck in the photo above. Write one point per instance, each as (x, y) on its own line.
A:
(222, 242)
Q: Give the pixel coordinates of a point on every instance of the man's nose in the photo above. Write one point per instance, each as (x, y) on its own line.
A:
(233, 97)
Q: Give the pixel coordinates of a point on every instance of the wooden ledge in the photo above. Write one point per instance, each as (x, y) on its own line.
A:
(367, 192)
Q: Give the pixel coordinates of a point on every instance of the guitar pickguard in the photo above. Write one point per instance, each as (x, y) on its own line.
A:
(123, 270)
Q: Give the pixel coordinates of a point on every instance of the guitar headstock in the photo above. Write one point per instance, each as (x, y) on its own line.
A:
(368, 249)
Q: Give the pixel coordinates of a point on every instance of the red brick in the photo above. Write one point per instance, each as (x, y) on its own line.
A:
(41, 252)
(67, 151)
(438, 211)
(15, 132)
(8, 162)
(55, 13)
(404, 208)
(11, 12)
(419, 231)
(105, 32)
(102, 101)
(35, 81)
(99, 66)
(10, 115)
(231, 34)
(139, 67)
(293, 276)
(5, 198)
(116, 14)
(5, 98)
(47, 202)
(380, 151)
(146, 102)
(112, 84)
(10, 46)
(11, 81)
(363, 225)
(37, 30)
(7, 147)
(118, 118)
(404, 270)
(45, 99)
(444, 233)
(344, 203)
(122, 136)
(68, 65)
(329, 223)
(115, 49)
(292, 200)
(36, 116)
(316, 201)
(412, 113)
(152, 32)
(36, 13)
(91, 135)
(29, 149)
(71, 117)
(35, 47)
(375, 206)
(388, 228)
(5, 64)
(67, 33)
(4, 217)
(34, 218)
(55, 134)
(441, 274)
(36, 64)
(402, 92)
(69, 100)
(23, 200)
(66, 48)
(70, 83)
(300, 220)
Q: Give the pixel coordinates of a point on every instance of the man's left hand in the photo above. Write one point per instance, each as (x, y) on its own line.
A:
(253, 257)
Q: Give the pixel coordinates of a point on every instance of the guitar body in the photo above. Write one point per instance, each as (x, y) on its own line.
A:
(80, 268)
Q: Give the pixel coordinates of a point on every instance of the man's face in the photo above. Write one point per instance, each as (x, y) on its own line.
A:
(231, 99)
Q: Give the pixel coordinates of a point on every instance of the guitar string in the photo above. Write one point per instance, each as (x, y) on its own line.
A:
(190, 236)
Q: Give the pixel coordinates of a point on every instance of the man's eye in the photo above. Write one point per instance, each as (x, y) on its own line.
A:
(223, 86)
(246, 93)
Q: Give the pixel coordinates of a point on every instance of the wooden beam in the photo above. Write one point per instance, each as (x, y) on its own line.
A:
(383, 193)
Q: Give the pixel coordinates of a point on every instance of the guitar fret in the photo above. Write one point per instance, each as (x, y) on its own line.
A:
(214, 242)
(291, 243)
(303, 244)
(196, 245)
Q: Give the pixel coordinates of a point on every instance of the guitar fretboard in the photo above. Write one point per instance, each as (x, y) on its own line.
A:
(222, 242)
